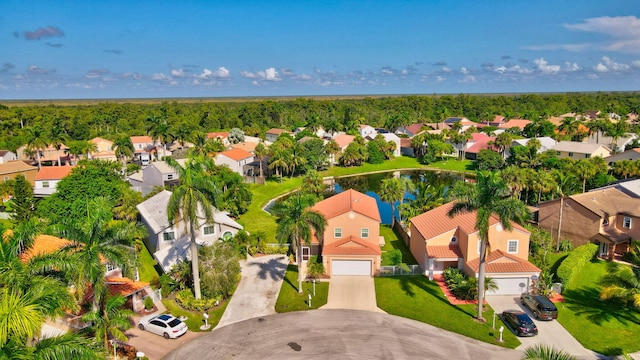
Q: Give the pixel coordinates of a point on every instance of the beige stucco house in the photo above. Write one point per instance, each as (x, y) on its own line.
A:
(580, 150)
(439, 241)
(351, 241)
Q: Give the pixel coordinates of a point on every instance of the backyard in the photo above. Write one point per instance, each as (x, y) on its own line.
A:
(608, 327)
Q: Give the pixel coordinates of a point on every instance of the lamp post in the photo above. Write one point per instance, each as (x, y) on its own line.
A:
(501, 330)
(309, 300)
(113, 343)
(314, 287)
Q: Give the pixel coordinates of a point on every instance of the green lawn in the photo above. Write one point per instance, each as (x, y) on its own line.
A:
(402, 162)
(147, 269)
(290, 300)
(417, 298)
(607, 327)
(392, 241)
(195, 319)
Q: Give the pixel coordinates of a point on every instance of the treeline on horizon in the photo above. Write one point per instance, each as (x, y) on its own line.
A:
(111, 119)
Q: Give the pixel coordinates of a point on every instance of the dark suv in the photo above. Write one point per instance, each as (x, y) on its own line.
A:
(541, 307)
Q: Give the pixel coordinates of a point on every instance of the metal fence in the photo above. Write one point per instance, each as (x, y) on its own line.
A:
(400, 270)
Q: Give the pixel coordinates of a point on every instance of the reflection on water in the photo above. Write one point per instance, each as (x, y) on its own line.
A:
(370, 185)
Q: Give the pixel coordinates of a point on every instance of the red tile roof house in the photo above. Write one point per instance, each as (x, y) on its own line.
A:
(351, 242)
(222, 135)
(235, 159)
(515, 123)
(48, 178)
(480, 141)
(439, 241)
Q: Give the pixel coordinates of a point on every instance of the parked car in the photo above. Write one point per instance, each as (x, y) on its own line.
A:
(541, 307)
(520, 323)
(165, 325)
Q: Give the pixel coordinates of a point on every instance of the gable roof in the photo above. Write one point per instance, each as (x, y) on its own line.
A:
(349, 200)
(519, 123)
(414, 128)
(164, 168)
(351, 245)
(437, 222)
(236, 154)
(608, 201)
(98, 139)
(481, 141)
(15, 166)
(42, 245)
(246, 146)
(124, 286)
(218, 135)
(141, 139)
(500, 262)
(276, 131)
(578, 147)
(450, 251)
(343, 140)
(53, 172)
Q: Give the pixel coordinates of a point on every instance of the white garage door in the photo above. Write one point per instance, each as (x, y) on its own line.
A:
(510, 286)
(351, 267)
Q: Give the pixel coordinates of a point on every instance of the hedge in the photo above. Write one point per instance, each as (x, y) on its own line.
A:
(575, 261)
(186, 299)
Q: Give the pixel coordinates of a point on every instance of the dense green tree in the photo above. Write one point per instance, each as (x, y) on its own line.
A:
(622, 282)
(489, 197)
(375, 154)
(236, 136)
(57, 136)
(23, 201)
(123, 148)
(489, 160)
(37, 141)
(312, 183)
(110, 321)
(220, 269)
(296, 221)
(355, 153)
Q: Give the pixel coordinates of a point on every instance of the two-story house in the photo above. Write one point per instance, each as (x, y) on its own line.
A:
(6, 156)
(169, 242)
(351, 241)
(48, 178)
(580, 150)
(439, 241)
(236, 159)
(12, 169)
(103, 149)
(608, 217)
(158, 173)
(272, 134)
(367, 131)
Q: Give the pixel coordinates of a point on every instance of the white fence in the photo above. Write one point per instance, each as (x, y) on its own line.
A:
(400, 270)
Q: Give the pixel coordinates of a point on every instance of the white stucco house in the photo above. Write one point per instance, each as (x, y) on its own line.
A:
(236, 159)
(169, 242)
(390, 137)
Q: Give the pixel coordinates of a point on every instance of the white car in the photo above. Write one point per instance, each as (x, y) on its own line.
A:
(166, 325)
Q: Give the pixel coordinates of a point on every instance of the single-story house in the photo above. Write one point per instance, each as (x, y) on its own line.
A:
(631, 155)
(351, 241)
(169, 243)
(439, 241)
(580, 150)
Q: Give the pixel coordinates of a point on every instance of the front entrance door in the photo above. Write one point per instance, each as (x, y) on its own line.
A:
(604, 249)
(306, 253)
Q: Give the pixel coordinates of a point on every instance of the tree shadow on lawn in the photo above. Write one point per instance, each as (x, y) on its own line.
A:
(273, 268)
(430, 287)
(292, 268)
(586, 302)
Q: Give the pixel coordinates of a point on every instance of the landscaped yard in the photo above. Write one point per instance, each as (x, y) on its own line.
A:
(417, 298)
(393, 242)
(147, 264)
(607, 327)
(195, 319)
(290, 300)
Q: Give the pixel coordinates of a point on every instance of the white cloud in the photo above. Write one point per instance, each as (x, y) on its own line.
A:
(635, 63)
(464, 70)
(468, 79)
(446, 69)
(544, 66)
(569, 66)
(96, 73)
(178, 72)
(159, 77)
(270, 74)
(221, 73)
(609, 65)
(512, 69)
(623, 31)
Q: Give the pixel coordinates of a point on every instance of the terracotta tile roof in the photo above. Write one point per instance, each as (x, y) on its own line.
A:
(481, 144)
(276, 131)
(236, 154)
(344, 140)
(124, 286)
(351, 245)
(141, 139)
(437, 221)
(220, 134)
(246, 146)
(42, 245)
(500, 262)
(98, 139)
(444, 251)
(519, 123)
(15, 166)
(53, 172)
(350, 200)
(405, 142)
(414, 128)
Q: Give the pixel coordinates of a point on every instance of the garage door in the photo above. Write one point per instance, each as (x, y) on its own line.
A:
(351, 267)
(510, 286)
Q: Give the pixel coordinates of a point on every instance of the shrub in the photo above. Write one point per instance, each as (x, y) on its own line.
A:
(315, 268)
(395, 256)
(565, 246)
(148, 303)
(273, 250)
(575, 261)
(186, 299)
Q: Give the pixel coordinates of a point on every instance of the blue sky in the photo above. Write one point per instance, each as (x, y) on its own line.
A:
(123, 49)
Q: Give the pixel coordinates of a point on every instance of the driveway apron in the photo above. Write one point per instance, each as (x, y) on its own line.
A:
(352, 292)
(549, 332)
(258, 290)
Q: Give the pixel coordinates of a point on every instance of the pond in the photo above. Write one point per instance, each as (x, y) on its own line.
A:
(370, 185)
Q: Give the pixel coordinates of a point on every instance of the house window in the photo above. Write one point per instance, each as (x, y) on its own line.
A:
(626, 222)
(337, 233)
(558, 153)
(6, 178)
(605, 222)
(111, 267)
(454, 240)
(587, 155)
(570, 154)
(169, 176)
(512, 246)
(209, 230)
(45, 184)
(364, 233)
(169, 236)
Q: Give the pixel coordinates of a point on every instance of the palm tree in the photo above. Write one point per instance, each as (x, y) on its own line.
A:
(158, 128)
(196, 195)
(622, 282)
(392, 190)
(615, 132)
(544, 352)
(36, 141)
(261, 152)
(569, 126)
(489, 197)
(123, 149)
(110, 321)
(296, 221)
(57, 136)
(584, 170)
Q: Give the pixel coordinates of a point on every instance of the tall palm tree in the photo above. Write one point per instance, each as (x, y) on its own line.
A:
(36, 141)
(584, 170)
(489, 197)
(622, 282)
(110, 321)
(392, 190)
(196, 195)
(57, 136)
(158, 128)
(296, 221)
(616, 131)
(261, 152)
(123, 148)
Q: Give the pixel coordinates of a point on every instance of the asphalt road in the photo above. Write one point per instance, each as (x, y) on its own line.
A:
(336, 334)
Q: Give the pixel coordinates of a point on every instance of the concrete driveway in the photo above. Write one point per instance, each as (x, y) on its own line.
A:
(549, 332)
(258, 290)
(337, 334)
(155, 346)
(352, 292)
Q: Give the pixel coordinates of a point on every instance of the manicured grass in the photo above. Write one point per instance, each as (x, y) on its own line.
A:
(466, 166)
(195, 319)
(147, 269)
(401, 162)
(417, 298)
(290, 300)
(392, 242)
(608, 327)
